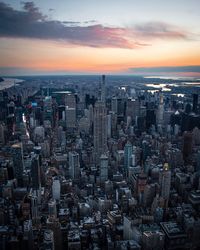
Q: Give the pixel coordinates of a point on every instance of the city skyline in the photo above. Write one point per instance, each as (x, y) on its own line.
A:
(127, 37)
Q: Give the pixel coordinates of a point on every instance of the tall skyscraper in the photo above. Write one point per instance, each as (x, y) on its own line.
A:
(52, 208)
(17, 154)
(128, 151)
(100, 130)
(70, 114)
(70, 100)
(34, 209)
(35, 172)
(48, 111)
(165, 180)
(56, 189)
(103, 89)
(74, 165)
(160, 111)
(103, 168)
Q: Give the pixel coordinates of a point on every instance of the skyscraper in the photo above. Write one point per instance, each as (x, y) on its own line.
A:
(160, 111)
(103, 168)
(56, 189)
(103, 89)
(34, 209)
(100, 130)
(165, 180)
(74, 165)
(128, 151)
(70, 114)
(17, 154)
(52, 208)
(70, 100)
(35, 172)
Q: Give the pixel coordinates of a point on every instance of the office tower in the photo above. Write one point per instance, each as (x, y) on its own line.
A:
(141, 184)
(146, 150)
(70, 100)
(39, 134)
(100, 130)
(91, 114)
(103, 168)
(48, 110)
(103, 89)
(132, 108)
(56, 189)
(74, 165)
(121, 108)
(35, 172)
(11, 108)
(150, 118)
(165, 181)
(187, 144)
(133, 156)
(18, 162)
(160, 111)
(114, 105)
(52, 208)
(109, 125)
(195, 103)
(70, 116)
(128, 151)
(34, 209)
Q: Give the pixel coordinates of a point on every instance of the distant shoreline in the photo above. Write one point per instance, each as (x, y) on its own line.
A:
(9, 82)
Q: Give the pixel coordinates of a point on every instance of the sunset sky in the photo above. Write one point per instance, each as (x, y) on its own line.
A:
(150, 37)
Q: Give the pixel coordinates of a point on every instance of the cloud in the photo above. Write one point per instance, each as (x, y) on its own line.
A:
(161, 70)
(31, 23)
(160, 30)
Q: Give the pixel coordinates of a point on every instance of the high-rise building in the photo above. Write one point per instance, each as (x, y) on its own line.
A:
(70, 116)
(48, 111)
(109, 125)
(70, 100)
(100, 130)
(128, 151)
(35, 172)
(17, 154)
(132, 108)
(114, 105)
(74, 165)
(52, 208)
(103, 168)
(103, 89)
(160, 111)
(56, 189)
(187, 144)
(165, 180)
(34, 209)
